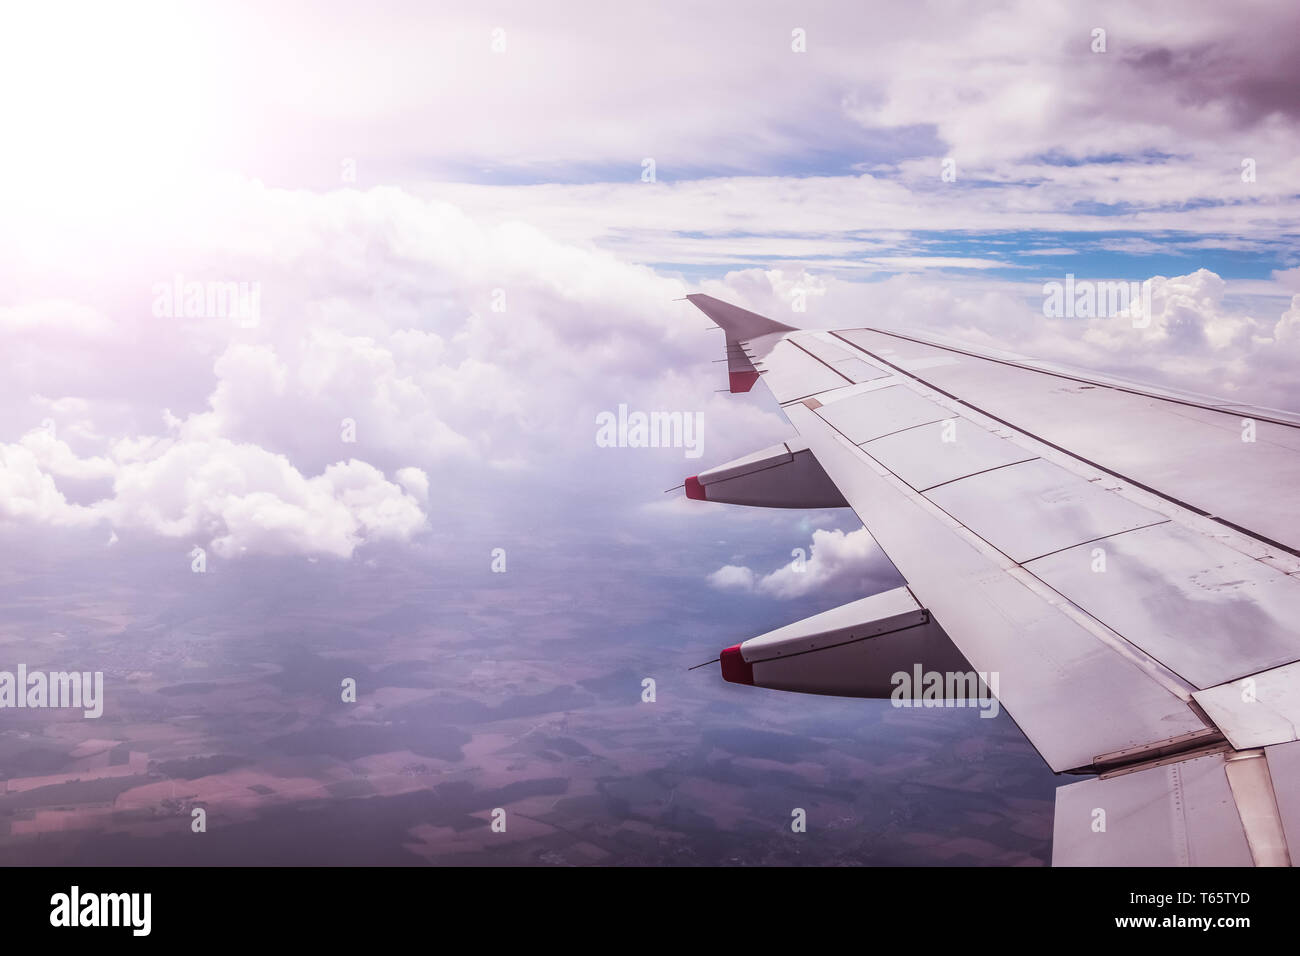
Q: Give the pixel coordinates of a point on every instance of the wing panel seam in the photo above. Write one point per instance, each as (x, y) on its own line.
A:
(1065, 451)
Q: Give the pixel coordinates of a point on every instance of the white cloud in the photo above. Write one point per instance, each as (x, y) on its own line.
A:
(835, 561)
(1188, 315)
(415, 481)
(393, 342)
(873, 83)
(1136, 245)
(731, 577)
(1287, 330)
(58, 458)
(917, 263)
(29, 494)
(240, 498)
(244, 498)
(378, 309)
(730, 220)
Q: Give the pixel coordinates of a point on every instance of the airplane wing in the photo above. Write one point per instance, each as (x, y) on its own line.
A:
(1118, 564)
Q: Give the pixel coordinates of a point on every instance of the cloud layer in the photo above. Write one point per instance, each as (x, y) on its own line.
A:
(457, 264)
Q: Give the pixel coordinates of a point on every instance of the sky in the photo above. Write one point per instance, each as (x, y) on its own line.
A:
(338, 288)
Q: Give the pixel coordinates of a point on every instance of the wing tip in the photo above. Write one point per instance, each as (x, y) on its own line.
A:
(736, 322)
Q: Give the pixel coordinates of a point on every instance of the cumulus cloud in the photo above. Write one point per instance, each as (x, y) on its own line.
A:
(1188, 314)
(29, 494)
(835, 562)
(390, 355)
(415, 481)
(57, 457)
(244, 498)
(1202, 334)
(236, 497)
(731, 577)
(1287, 330)
(461, 336)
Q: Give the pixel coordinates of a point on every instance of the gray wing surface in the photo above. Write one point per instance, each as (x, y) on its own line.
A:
(1124, 557)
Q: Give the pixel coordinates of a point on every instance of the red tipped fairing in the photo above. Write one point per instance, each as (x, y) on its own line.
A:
(742, 381)
(734, 668)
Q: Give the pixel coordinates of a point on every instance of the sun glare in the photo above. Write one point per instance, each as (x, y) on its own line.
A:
(100, 104)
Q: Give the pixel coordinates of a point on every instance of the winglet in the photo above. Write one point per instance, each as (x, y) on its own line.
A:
(738, 323)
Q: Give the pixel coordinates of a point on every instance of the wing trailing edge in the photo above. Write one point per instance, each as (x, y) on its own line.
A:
(1222, 808)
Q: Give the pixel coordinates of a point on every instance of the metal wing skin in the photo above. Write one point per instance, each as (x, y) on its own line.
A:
(1119, 564)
